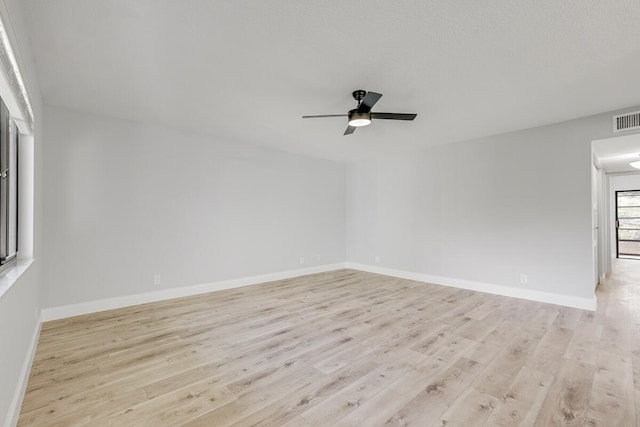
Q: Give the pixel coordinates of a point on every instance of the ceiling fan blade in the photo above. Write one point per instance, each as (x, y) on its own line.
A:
(369, 101)
(350, 130)
(393, 116)
(324, 115)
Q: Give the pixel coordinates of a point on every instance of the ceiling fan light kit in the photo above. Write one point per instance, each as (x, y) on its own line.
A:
(358, 119)
(362, 114)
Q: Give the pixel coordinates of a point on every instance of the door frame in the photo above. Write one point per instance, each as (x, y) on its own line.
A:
(616, 223)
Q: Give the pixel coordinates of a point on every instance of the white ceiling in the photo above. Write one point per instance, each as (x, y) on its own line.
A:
(247, 71)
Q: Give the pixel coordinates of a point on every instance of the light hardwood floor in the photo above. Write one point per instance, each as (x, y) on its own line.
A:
(344, 348)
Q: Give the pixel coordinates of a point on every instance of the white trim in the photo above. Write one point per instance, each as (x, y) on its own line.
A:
(60, 312)
(16, 403)
(71, 310)
(13, 273)
(26, 175)
(528, 294)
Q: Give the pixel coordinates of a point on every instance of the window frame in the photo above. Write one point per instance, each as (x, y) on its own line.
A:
(9, 188)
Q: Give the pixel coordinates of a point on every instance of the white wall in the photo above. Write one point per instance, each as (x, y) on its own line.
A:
(20, 305)
(126, 201)
(483, 211)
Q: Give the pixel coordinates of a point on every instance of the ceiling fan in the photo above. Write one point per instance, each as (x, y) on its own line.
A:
(362, 114)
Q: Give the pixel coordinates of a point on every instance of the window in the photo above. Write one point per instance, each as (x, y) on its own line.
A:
(8, 187)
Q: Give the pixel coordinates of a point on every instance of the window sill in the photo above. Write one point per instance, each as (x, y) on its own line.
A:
(12, 274)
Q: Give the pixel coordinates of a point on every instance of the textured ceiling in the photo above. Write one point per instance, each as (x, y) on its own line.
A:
(247, 71)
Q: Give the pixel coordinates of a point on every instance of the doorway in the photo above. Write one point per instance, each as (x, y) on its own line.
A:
(628, 224)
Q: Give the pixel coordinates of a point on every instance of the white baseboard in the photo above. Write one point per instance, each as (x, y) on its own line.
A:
(61, 312)
(21, 387)
(528, 294)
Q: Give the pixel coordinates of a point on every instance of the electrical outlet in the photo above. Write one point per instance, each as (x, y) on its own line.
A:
(318, 257)
(377, 259)
(301, 260)
(156, 279)
(523, 278)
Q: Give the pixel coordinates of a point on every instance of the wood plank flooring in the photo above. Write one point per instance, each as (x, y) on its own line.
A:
(344, 348)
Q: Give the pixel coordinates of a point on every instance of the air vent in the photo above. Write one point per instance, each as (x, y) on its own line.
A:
(626, 121)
